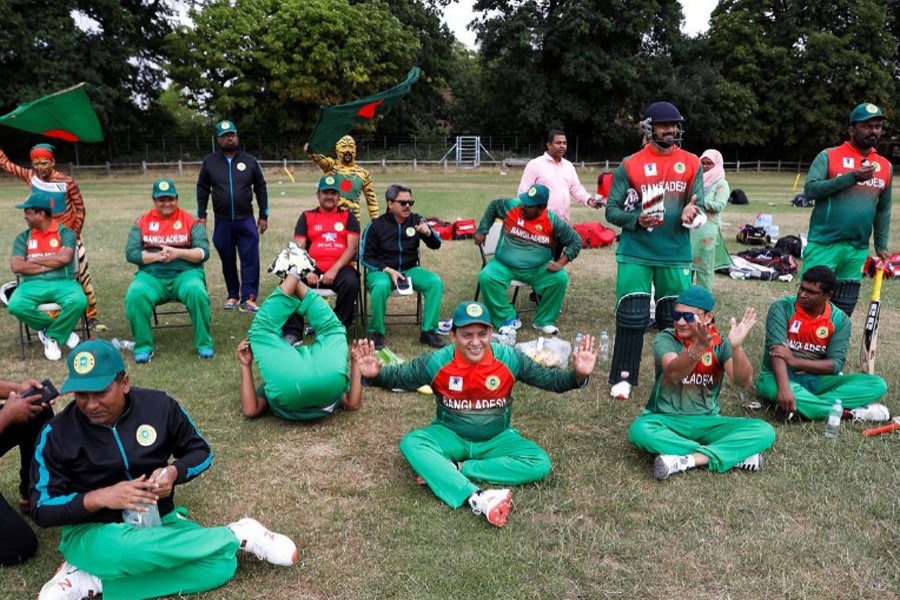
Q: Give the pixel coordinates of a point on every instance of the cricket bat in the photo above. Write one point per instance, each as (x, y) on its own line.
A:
(870, 333)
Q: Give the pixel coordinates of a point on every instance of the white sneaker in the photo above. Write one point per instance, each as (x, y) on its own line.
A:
(275, 548)
(493, 504)
(279, 265)
(51, 348)
(72, 340)
(70, 583)
(669, 464)
(300, 259)
(871, 412)
(751, 463)
(621, 390)
(546, 329)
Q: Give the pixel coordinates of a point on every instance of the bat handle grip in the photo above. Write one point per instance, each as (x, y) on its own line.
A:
(872, 431)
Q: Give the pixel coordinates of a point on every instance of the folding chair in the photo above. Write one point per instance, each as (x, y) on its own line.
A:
(25, 332)
(329, 293)
(487, 253)
(170, 312)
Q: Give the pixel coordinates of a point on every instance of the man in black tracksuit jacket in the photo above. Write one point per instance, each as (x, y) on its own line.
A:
(391, 254)
(233, 177)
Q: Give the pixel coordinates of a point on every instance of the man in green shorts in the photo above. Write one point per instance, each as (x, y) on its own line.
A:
(681, 423)
(807, 338)
(119, 449)
(303, 382)
(851, 185)
(470, 437)
(654, 195)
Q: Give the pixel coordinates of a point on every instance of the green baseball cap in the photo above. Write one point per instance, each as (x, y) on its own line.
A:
(164, 187)
(696, 296)
(866, 111)
(223, 127)
(330, 182)
(93, 365)
(467, 313)
(536, 195)
(41, 199)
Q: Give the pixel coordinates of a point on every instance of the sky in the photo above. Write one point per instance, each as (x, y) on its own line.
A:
(458, 14)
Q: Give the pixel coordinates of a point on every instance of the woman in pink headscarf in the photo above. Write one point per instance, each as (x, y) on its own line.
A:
(708, 245)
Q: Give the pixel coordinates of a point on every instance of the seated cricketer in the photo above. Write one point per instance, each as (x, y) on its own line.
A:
(44, 258)
(303, 382)
(681, 423)
(525, 252)
(470, 438)
(807, 337)
(119, 448)
(169, 246)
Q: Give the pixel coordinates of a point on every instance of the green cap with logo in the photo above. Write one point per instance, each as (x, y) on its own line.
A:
(164, 187)
(331, 182)
(41, 199)
(536, 195)
(467, 313)
(696, 296)
(93, 365)
(223, 127)
(866, 111)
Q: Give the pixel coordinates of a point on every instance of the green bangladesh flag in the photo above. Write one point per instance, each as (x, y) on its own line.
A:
(67, 115)
(337, 121)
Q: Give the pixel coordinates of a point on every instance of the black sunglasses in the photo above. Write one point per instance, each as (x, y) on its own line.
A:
(405, 202)
(688, 317)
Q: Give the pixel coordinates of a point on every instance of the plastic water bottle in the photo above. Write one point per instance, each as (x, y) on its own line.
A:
(122, 344)
(143, 519)
(578, 337)
(511, 336)
(833, 424)
(604, 346)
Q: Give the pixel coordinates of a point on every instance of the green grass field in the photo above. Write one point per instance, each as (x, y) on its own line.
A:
(820, 521)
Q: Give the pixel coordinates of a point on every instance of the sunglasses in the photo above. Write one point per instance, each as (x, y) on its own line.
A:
(688, 317)
(801, 289)
(405, 202)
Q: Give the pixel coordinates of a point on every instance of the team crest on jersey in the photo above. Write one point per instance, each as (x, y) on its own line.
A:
(877, 166)
(795, 327)
(145, 435)
(539, 227)
(706, 359)
(686, 271)
(177, 225)
(83, 363)
(650, 169)
(32, 244)
(241, 167)
(54, 243)
(492, 382)
(154, 226)
(848, 162)
(410, 231)
(456, 383)
(822, 332)
(338, 226)
(680, 168)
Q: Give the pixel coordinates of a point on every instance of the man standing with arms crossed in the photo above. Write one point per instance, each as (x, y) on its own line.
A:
(233, 177)
(653, 195)
(559, 176)
(851, 185)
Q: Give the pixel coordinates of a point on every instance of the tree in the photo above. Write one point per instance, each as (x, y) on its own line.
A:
(113, 45)
(269, 64)
(791, 75)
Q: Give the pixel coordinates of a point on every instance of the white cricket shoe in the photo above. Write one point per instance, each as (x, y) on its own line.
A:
(751, 463)
(669, 464)
(51, 348)
(72, 340)
(621, 390)
(493, 504)
(871, 412)
(71, 583)
(546, 329)
(266, 545)
(292, 256)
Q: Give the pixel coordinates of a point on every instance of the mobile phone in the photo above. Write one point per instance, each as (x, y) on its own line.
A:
(47, 393)
(403, 284)
(865, 162)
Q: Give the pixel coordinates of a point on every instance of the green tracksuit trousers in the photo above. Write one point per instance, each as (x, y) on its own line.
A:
(380, 286)
(147, 291)
(65, 292)
(495, 279)
(814, 394)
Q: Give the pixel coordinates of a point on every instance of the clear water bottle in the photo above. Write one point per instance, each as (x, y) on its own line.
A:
(511, 336)
(122, 344)
(604, 346)
(578, 337)
(833, 424)
(143, 519)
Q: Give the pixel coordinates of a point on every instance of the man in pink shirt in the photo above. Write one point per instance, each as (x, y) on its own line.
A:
(558, 174)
